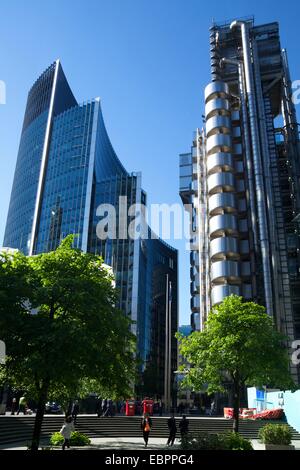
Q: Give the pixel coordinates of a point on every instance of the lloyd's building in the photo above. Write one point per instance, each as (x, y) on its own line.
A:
(242, 179)
(66, 168)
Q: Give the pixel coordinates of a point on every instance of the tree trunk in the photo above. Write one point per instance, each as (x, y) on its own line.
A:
(236, 405)
(69, 409)
(39, 416)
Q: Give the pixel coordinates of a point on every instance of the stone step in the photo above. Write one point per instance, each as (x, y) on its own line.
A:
(19, 429)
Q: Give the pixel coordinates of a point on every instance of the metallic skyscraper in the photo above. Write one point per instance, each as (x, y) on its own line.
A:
(242, 179)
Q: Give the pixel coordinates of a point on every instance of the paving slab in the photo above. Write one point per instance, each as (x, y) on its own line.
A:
(123, 443)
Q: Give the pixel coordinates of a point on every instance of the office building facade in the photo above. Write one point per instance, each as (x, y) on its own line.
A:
(242, 179)
(66, 168)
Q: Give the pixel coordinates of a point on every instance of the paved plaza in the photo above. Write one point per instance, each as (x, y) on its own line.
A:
(124, 443)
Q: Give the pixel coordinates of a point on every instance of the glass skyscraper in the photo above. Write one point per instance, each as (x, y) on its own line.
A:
(66, 168)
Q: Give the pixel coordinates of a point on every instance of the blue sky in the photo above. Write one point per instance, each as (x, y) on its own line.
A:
(149, 63)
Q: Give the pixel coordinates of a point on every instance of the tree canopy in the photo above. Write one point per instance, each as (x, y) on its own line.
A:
(239, 344)
(62, 330)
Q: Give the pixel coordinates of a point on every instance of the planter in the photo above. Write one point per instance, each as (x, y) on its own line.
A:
(276, 436)
(279, 447)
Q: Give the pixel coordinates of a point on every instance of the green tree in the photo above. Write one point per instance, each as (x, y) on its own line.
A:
(62, 331)
(240, 344)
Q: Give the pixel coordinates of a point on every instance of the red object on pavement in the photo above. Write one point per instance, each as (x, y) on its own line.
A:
(130, 408)
(243, 413)
(247, 413)
(276, 413)
(228, 413)
(148, 406)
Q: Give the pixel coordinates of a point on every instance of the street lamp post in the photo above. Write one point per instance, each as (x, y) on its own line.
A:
(168, 332)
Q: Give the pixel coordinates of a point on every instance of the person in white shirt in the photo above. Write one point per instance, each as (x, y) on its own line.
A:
(66, 431)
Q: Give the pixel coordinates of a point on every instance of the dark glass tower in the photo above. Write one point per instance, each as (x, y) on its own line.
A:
(66, 168)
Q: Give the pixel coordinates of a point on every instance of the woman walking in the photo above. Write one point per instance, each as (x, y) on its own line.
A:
(184, 426)
(66, 431)
(146, 426)
(172, 430)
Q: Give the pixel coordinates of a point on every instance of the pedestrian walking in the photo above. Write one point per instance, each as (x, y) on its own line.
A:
(104, 406)
(184, 426)
(110, 408)
(146, 425)
(138, 407)
(13, 406)
(160, 407)
(22, 405)
(172, 430)
(181, 408)
(122, 407)
(212, 408)
(98, 407)
(66, 430)
(75, 411)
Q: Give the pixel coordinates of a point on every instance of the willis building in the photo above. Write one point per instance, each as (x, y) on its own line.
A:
(66, 168)
(241, 179)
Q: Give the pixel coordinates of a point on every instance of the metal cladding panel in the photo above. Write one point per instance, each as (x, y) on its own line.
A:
(218, 142)
(224, 269)
(217, 124)
(245, 268)
(247, 291)
(236, 132)
(237, 149)
(216, 89)
(221, 181)
(220, 161)
(226, 223)
(224, 246)
(217, 106)
(222, 201)
(218, 293)
(235, 117)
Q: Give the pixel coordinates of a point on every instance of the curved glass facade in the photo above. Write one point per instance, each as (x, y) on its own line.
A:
(64, 193)
(23, 195)
(67, 168)
(49, 96)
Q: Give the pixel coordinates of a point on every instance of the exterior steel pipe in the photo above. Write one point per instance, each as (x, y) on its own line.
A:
(268, 181)
(260, 193)
(290, 122)
(239, 65)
